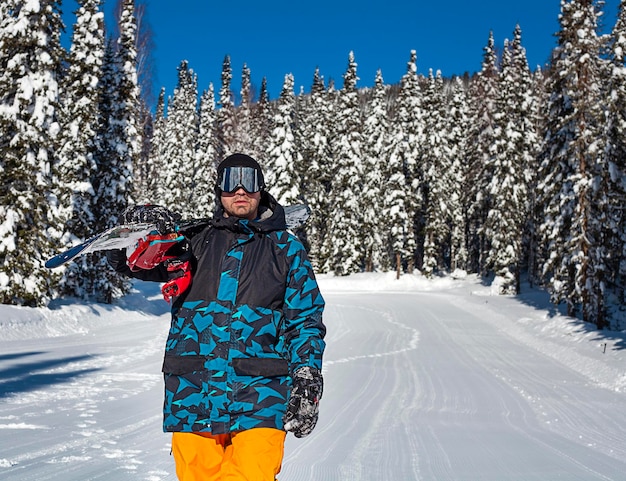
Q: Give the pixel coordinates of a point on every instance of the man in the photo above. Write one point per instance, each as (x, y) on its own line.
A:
(243, 357)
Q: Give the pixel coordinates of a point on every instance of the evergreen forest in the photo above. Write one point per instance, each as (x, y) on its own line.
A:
(510, 173)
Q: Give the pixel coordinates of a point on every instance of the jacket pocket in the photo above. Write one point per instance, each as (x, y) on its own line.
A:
(258, 366)
(179, 365)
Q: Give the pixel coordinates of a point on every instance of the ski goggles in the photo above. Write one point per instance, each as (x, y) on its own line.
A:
(246, 178)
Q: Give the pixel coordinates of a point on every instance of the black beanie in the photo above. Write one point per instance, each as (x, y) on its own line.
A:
(239, 160)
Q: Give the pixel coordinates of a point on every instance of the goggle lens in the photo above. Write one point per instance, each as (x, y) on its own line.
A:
(234, 178)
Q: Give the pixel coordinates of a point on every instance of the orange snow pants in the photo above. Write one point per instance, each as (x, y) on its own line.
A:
(252, 455)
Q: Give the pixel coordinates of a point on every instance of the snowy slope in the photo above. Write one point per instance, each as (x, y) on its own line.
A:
(424, 380)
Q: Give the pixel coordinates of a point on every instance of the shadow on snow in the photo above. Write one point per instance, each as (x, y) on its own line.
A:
(24, 377)
(540, 299)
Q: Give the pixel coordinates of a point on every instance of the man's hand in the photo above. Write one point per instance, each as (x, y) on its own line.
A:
(164, 218)
(303, 407)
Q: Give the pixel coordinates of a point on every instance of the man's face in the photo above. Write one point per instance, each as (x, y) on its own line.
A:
(241, 204)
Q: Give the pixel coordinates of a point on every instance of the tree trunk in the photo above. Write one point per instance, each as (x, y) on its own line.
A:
(398, 265)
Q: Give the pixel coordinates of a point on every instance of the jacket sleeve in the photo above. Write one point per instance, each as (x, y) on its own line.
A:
(303, 307)
(117, 260)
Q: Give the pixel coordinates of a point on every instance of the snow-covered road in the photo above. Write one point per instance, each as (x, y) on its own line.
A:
(421, 383)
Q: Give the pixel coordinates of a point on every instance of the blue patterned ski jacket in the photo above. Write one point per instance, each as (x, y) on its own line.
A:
(251, 317)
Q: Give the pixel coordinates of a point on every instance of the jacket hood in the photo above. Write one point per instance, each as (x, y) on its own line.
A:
(271, 217)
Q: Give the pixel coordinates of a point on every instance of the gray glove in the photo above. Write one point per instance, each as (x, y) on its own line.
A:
(164, 218)
(303, 406)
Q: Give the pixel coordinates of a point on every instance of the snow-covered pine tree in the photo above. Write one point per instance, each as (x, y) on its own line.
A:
(496, 179)
(326, 165)
(314, 135)
(527, 98)
(484, 91)
(571, 193)
(128, 112)
(30, 67)
(283, 160)
(438, 187)
(615, 157)
(261, 123)
(145, 69)
(407, 139)
(458, 128)
(76, 166)
(402, 186)
(181, 137)
(106, 209)
(141, 169)
(501, 233)
(226, 117)
(376, 151)
(510, 182)
(534, 249)
(345, 239)
(243, 133)
(394, 209)
(156, 164)
(203, 198)
(119, 147)
(433, 160)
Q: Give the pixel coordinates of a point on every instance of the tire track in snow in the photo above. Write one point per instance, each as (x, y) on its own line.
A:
(473, 344)
(409, 344)
(438, 409)
(364, 397)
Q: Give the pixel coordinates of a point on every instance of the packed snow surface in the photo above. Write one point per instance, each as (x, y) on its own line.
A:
(428, 380)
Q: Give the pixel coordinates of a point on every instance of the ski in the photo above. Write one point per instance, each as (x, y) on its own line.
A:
(117, 237)
(127, 235)
(296, 215)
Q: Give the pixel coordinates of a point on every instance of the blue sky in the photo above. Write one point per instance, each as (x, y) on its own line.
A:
(276, 37)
